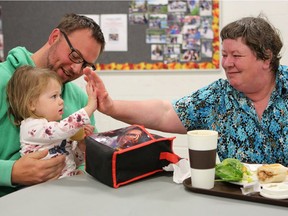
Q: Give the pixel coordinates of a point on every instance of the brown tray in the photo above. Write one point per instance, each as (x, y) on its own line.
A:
(225, 189)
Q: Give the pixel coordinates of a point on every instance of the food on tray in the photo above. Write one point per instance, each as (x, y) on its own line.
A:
(271, 173)
(232, 170)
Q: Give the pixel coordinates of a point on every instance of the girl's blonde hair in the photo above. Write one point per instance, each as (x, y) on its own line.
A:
(25, 87)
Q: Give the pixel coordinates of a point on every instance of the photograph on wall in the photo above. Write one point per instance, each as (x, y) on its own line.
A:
(138, 18)
(157, 52)
(138, 6)
(175, 6)
(138, 12)
(205, 7)
(171, 52)
(158, 21)
(114, 27)
(156, 36)
(157, 6)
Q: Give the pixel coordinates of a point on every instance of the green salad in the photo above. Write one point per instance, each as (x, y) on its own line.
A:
(232, 170)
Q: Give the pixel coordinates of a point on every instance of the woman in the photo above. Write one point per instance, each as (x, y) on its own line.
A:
(249, 109)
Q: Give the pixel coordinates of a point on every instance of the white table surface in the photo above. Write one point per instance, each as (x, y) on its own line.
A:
(158, 195)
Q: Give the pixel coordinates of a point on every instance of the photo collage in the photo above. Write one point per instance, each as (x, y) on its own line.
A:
(177, 30)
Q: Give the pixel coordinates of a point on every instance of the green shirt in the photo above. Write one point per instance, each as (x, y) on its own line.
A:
(74, 98)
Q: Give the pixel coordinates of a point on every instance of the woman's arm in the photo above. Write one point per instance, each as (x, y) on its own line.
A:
(153, 114)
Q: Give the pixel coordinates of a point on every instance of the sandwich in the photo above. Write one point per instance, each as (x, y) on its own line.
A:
(270, 173)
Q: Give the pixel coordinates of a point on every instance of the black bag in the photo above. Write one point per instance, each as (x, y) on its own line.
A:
(121, 156)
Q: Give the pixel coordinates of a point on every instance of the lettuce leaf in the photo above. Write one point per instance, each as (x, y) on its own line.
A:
(230, 169)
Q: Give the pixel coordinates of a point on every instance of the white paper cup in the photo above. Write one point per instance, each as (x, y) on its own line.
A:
(202, 145)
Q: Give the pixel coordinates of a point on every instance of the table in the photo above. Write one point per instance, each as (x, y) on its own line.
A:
(158, 195)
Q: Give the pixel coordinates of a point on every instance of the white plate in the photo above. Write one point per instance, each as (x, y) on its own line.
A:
(253, 169)
(275, 190)
(271, 196)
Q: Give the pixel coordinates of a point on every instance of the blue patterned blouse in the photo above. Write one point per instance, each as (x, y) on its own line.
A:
(241, 135)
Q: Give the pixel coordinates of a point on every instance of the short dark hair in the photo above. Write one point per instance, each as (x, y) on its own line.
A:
(259, 35)
(71, 22)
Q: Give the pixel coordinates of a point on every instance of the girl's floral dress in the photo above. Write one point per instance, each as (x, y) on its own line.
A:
(39, 134)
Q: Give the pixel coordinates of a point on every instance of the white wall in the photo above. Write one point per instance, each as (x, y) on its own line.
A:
(171, 85)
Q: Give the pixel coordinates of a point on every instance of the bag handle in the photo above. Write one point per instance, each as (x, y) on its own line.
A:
(171, 157)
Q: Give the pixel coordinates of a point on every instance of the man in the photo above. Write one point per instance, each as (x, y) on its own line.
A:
(75, 44)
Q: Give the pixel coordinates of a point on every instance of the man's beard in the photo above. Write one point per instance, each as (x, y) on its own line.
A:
(51, 66)
(50, 53)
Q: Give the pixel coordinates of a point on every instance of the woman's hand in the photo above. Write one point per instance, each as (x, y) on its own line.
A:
(104, 102)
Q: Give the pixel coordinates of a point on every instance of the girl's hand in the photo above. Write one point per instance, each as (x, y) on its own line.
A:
(88, 130)
(104, 101)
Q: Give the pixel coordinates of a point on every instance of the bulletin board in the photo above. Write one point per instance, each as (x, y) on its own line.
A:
(159, 32)
(176, 35)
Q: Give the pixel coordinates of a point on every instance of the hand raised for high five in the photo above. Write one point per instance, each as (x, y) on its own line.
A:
(104, 102)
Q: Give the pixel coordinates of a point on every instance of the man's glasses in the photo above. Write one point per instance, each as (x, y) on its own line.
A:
(75, 56)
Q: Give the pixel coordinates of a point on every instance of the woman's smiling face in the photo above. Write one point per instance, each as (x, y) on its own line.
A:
(242, 68)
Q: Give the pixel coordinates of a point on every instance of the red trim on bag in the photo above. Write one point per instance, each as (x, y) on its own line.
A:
(115, 185)
(143, 144)
(144, 129)
(173, 158)
(114, 178)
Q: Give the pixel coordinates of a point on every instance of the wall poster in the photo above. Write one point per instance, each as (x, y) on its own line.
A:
(182, 34)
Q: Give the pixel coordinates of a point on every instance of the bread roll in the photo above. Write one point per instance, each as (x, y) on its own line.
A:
(271, 173)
